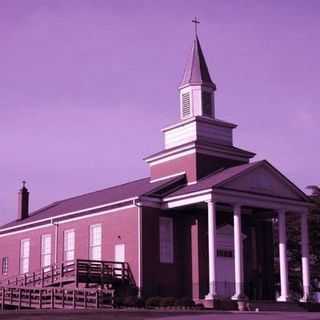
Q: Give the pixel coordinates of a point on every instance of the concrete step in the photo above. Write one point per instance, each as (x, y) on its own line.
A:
(275, 306)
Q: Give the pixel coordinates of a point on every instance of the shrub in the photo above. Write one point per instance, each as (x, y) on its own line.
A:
(185, 302)
(199, 306)
(153, 302)
(140, 303)
(118, 301)
(167, 302)
(130, 301)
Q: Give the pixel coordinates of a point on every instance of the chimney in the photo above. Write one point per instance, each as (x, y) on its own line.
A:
(23, 202)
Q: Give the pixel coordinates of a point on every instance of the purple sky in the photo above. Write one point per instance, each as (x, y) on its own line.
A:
(86, 86)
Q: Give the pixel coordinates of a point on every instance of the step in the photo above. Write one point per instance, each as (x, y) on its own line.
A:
(275, 306)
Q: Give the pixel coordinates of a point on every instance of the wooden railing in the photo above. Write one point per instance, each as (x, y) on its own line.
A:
(79, 271)
(53, 298)
(103, 272)
(44, 277)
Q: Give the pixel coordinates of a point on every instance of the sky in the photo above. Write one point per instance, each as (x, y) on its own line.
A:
(87, 85)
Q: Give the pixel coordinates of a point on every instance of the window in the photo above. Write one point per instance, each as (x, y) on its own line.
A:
(206, 103)
(24, 256)
(119, 256)
(69, 245)
(5, 265)
(46, 251)
(224, 253)
(186, 105)
(166, 239)
(95, 242)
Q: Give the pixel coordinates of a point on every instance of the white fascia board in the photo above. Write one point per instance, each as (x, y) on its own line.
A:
(24, 230)
(166, 153)
(67, 220)
(188, 195)
(69, 213)
(177, 155)
(259, 201)
(179, 124)
(97, 214)
(168, 177)
(187, 201)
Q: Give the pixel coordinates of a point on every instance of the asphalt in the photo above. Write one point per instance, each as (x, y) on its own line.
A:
(168, 315)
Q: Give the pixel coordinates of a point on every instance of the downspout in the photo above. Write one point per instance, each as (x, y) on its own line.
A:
(56, 233)
(140, 280)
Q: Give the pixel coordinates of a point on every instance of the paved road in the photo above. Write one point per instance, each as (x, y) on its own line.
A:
(154, 315)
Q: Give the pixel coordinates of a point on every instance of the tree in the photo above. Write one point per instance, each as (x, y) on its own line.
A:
(314, 236)
(294, 247)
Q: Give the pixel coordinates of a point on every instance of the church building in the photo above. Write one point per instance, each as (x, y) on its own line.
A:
(202, 225)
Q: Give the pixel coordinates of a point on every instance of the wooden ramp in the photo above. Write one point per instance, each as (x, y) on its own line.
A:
(54, 298)
(77, 284)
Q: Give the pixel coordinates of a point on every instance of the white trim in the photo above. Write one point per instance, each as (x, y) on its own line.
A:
(24, 230)
(166, 158)
(97, 214)
(200, 118)
(140, 264)
(188, 201)
(69, 213)
(168, 177)
(188, 195)
(192, 182)
(191, 148)
(92, 245)
(68, 220)
(167, 153)
(56, 233)
(259, 201)
(223, 154)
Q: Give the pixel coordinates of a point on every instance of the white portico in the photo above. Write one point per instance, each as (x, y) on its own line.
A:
(248, 190)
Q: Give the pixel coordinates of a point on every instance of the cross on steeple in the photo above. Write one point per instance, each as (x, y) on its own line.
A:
(196, 22)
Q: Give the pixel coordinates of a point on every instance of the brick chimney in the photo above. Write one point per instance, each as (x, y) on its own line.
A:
(23, 202)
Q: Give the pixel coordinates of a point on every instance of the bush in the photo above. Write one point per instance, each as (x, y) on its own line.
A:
(118, 301)
(130, 301)
(167, 302)
(140, 303)
(185, 302)
(153, 302)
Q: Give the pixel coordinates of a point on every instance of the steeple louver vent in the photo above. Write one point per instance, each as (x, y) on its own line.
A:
(186, 105)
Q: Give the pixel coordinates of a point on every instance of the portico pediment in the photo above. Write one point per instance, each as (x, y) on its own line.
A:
(263, 179)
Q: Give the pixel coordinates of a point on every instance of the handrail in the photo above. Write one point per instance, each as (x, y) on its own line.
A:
(74, 269)
(53, 298)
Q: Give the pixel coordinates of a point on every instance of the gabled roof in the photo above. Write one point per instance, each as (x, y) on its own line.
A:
(196, 70)
(93, 199)
(224, 176)
(214, 179)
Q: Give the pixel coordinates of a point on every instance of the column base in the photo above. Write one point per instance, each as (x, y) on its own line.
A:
(305, 299)
(239, 297)
(283, 299)
(211, 296)
(210, 300)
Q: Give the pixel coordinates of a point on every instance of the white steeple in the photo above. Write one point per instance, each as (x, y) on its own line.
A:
(196, 89)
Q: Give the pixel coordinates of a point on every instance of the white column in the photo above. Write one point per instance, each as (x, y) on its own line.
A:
(212, 250)
(284, 296)
(238, 255)
(305, 257)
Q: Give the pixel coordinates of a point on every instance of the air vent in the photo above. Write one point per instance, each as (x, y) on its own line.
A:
(206, 103)
(186, 106)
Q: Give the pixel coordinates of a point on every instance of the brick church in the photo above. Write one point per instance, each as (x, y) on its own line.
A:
(201, 225)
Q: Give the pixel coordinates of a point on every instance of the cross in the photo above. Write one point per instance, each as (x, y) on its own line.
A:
(195, 21)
